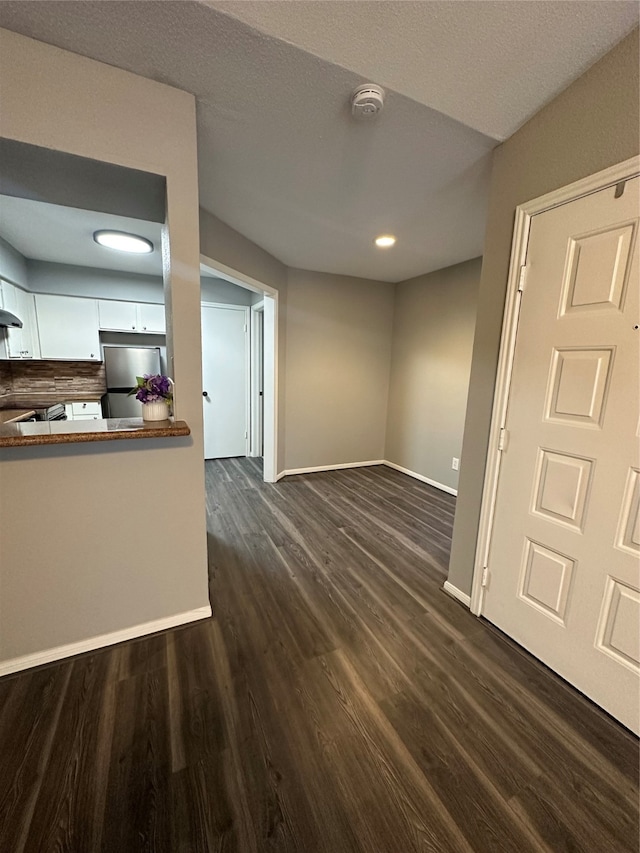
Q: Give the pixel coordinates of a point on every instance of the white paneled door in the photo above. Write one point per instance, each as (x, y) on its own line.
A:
(225, 378)
(565, 546)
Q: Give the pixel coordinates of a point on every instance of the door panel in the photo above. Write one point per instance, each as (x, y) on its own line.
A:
(563, 557)
(578, 384)
(225, 376)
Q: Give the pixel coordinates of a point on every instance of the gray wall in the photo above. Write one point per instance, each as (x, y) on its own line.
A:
(591, 125)
(89, 570)
(431, 359)
(13, 266)
(218, 290)
(69, 280)
(337, 373)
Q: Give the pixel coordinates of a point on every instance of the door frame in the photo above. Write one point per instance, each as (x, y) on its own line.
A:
(515, 283)
(256, 345)
(247, 355)
(271, 357)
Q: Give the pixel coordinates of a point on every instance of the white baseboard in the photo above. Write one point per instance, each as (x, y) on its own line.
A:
(93, 643)
(457, 593)
(316, 468)
(421, 477)
(312, 470)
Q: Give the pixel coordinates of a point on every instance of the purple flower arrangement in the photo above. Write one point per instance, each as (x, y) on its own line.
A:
(153, 388)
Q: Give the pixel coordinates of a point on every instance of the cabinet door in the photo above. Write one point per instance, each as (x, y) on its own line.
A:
(117, 316)
(13, 339)
(68, 327)
(151, 318)
(26, 310)
(19, 343)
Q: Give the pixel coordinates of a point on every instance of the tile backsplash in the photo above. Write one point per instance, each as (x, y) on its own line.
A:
(5, 377)
(53, 377)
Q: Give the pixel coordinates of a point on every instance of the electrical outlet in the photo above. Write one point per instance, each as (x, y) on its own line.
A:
(455, 463)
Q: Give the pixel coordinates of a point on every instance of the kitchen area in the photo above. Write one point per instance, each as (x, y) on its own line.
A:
(45, 380)
(69, 351)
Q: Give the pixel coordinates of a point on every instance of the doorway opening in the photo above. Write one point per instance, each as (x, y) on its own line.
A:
(239, 349)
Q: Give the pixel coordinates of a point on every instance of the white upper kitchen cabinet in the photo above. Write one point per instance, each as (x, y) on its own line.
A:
(19, 343)
(131, 316)
(117, 316)
(68, 327)
(151, 318)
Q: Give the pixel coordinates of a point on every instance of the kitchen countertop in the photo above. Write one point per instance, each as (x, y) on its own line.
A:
(69, 432)
(8, 416)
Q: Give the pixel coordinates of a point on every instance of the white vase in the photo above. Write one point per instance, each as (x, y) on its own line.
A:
(158, 411)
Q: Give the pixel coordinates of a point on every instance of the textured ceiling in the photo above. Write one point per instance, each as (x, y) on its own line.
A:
(490, 65)
(280, 158)
(64, 235)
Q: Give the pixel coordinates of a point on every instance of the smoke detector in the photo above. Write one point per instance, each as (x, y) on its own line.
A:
(367, 101)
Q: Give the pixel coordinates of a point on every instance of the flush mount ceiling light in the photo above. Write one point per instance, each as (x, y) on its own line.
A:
(124, 242)
(385, 240)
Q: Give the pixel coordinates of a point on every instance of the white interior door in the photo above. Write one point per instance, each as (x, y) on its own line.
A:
(225, 375)
(563, 557)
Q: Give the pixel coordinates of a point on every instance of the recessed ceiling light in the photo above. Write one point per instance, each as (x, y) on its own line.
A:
(385, 240)
(124, 242)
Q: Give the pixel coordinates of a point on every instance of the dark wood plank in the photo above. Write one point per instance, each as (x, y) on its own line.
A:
(68, 811)
(30, 708)
(137, 815)
(472, 798)
(201, 815)
(195, 714)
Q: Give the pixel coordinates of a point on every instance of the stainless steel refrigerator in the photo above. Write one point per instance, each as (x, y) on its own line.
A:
(122, 366)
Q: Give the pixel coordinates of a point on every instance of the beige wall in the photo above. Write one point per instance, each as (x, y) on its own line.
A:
(591, 125)
(100, 538)
(431, 358)
(337, 369)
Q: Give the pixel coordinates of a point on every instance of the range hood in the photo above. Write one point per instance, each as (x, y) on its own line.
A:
(9, 319)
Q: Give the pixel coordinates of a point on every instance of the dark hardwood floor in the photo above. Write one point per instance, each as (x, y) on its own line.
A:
(338, 701)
